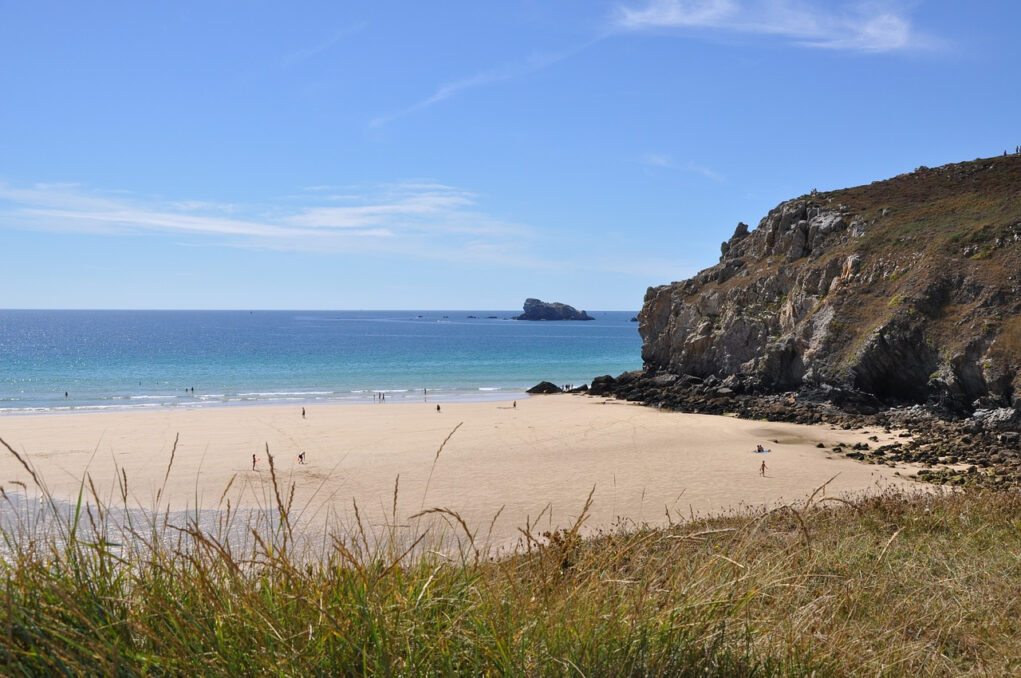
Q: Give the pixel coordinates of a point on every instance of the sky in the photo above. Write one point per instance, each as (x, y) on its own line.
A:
(457, 155)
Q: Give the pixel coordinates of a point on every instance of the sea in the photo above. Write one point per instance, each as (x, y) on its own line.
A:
(72, 361)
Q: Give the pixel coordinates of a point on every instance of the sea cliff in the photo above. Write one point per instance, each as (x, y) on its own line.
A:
(906, 290)
(900, 298)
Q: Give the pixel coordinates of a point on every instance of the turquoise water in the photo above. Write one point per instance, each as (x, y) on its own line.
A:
(150, 359)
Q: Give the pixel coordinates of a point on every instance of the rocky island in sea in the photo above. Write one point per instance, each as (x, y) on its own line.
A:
(895, 303)
(540, 310)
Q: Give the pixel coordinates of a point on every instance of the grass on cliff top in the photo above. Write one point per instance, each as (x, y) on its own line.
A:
(894, 585)
(940, 212)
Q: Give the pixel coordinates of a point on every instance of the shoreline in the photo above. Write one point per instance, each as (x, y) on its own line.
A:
(495, 463)
(479, 394)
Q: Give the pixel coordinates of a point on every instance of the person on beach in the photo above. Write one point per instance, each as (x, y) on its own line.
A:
(514, 404)
(437, 408)
(762, 469)
(758, 448)
(301, 458)
(253, 462)
(303, 413)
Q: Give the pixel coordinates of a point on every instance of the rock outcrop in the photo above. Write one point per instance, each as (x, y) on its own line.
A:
(898, 292)
(539, 310)
(544, 388)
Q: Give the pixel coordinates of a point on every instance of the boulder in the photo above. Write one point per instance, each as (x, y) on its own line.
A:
(999, 419)
(544, 388)
(603, 386)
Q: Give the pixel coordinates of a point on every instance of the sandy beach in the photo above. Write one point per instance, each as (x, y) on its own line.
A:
(541, 457)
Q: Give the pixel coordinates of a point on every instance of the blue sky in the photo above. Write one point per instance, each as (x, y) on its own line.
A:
(457, 155)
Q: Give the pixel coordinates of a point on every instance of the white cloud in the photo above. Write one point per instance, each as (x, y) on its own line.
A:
(860, 27)
(445, 92)
(659, 160)
(704, 171)
(306, 53)
(417, 218)
(536, 61)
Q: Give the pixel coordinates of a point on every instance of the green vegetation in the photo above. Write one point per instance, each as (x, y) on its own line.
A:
(920, 585)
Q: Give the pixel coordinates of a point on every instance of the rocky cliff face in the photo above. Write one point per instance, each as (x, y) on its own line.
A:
(905, 290)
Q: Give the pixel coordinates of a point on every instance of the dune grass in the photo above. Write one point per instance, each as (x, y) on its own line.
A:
(922, 585)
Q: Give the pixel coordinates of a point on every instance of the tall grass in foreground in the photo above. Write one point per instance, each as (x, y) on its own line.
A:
(884, 585)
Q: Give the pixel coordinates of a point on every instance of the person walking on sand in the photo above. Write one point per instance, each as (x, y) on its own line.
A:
(303, 413)
(437, 408)
(301, 458)
(253, 462)
(762, 469)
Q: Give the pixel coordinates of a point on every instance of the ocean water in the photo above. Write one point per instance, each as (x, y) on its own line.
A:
(152, 359)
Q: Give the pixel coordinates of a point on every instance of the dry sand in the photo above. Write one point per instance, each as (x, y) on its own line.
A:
(540, 458)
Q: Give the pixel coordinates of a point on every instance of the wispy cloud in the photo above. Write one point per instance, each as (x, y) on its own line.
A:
(860, 27)
(307, 53)
(659, 160)
(415, 218)
(534, 62)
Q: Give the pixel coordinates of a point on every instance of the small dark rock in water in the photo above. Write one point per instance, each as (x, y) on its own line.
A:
(545, 387)
(634, 319)
(540, 310)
